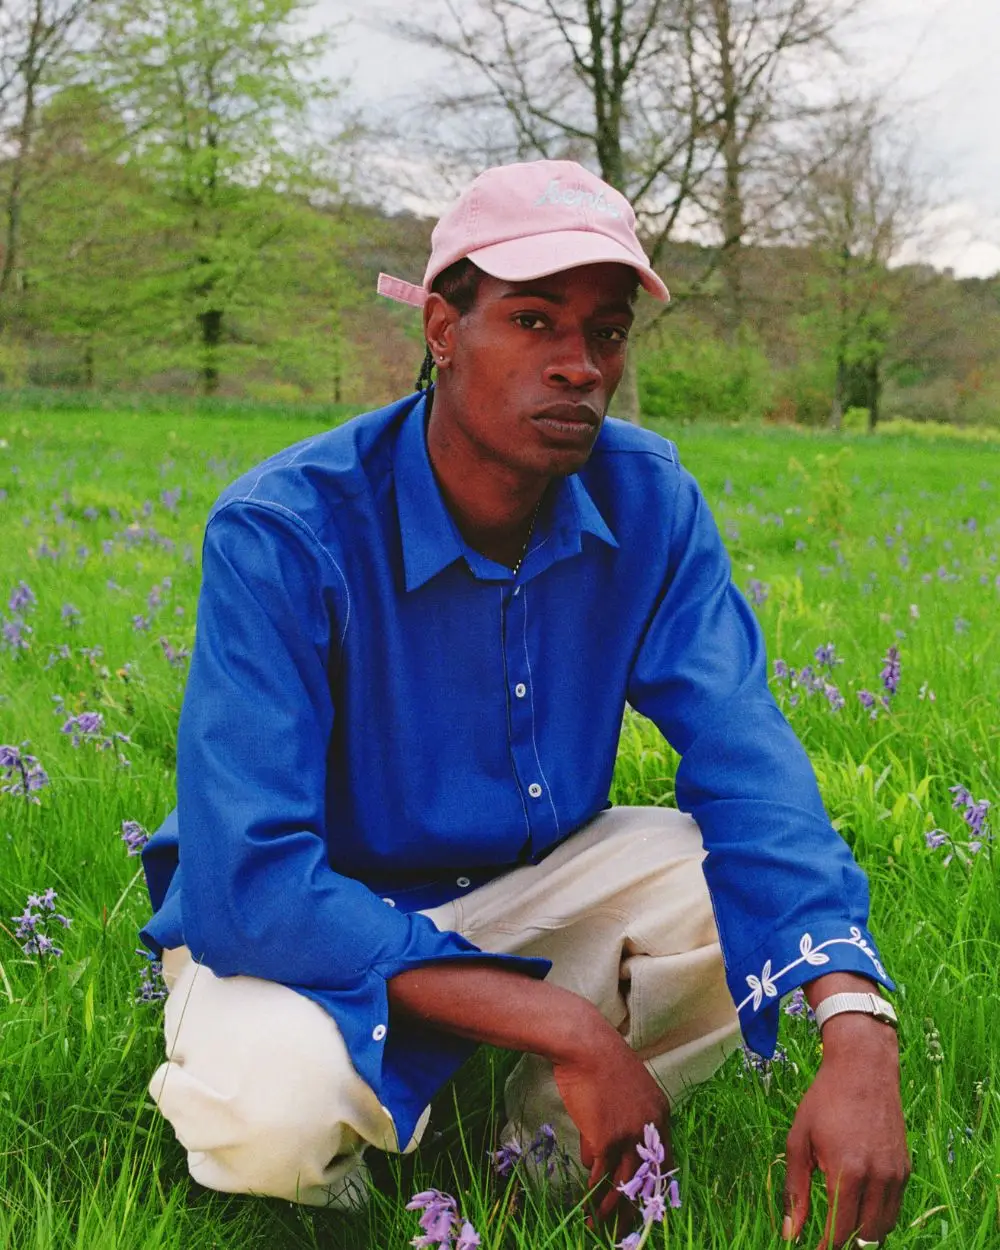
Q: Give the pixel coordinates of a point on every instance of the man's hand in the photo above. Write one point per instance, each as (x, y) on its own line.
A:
(611, 1097)
(850, 1126)
(608, 1092)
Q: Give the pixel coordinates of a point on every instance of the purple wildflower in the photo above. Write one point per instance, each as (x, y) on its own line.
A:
(974, 811)
(866, 698)
(891, 672)
(22, 597)
(935, 838)
(21, 773)
(961, 625)
(797, 1006)
(506, 1159)
(632, 1242)
(134, 836)
(139, 622)
(151, 985)
(833, 696)
(84, 728)
(651, 1188)
(441, 1222)
(757, 592)
(70, 614)
(780, 669)
(810, 680)
(32, 925)
(14, 635)
(171, 498)
(826, 656)
(764, 1068)
(176, 656)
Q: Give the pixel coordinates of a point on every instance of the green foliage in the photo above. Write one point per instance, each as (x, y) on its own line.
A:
(689, 375)
(86, 1164)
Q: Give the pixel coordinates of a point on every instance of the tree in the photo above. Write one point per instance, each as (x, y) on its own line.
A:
(612, 83)
(675, 102)
(764, 69)
(35, 44)
(855, 207)
(219, 97)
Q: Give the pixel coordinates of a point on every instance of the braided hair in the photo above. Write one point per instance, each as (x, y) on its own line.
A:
(459, 284)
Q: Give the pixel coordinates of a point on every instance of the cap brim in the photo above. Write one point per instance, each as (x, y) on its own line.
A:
(537, 256)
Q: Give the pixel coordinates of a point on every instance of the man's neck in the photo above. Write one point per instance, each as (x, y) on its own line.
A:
(491, 503)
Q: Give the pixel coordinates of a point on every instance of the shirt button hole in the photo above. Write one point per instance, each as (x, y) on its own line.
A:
(378, 1032)
(463, 883)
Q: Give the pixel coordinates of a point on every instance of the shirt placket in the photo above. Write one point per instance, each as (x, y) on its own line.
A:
(524, 739)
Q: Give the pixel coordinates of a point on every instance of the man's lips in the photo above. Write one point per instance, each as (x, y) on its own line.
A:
(573, 418)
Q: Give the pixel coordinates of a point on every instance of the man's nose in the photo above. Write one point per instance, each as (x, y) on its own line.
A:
(573, 366)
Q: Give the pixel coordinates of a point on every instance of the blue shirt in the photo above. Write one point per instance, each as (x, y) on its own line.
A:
(378, 718)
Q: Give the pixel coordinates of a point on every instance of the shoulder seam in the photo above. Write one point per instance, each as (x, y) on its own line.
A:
(669, 456)
(272, 467)
(283, 510)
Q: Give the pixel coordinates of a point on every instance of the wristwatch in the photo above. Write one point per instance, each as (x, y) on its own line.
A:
(868, 1004)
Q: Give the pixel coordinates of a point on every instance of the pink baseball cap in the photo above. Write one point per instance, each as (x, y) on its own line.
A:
(520, 222)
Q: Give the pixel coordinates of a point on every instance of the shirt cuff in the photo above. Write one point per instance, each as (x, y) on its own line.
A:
(789, 959)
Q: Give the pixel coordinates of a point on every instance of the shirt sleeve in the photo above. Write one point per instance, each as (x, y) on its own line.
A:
(790, 901)
(259, 896)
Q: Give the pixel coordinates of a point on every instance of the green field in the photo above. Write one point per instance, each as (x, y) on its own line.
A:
(863, 543)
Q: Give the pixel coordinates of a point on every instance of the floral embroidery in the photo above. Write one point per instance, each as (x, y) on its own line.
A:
(764, 986)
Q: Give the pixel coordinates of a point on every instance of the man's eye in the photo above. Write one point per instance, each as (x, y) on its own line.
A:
(614, 334)
(529, 321)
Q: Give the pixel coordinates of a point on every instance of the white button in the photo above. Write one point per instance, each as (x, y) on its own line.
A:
(378, 1032)
(463, 882)
(389, 902)
(520, 689)
(535, 790)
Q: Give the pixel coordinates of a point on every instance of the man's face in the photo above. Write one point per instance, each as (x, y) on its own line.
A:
(533, 366)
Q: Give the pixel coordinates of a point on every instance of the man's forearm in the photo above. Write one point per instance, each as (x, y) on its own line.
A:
(502, 1008)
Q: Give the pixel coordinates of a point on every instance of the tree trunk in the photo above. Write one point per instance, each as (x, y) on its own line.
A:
(731, 215)
(874, 395)
(25, 134)
(839, 390)
(627, 397)
(211, 337)
(88, 366)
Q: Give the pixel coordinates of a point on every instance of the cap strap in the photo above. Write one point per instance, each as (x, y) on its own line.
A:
(403, 292)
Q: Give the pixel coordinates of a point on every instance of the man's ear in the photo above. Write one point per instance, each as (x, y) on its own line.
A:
(440, 322)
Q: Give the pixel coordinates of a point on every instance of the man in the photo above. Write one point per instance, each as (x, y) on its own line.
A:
(416, 637)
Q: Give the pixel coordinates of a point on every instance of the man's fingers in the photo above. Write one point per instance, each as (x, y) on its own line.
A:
(623, 1172)
(845, 1195)
(880, 1209)
(799, 1165)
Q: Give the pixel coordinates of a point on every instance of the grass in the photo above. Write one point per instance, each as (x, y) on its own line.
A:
(843, 536)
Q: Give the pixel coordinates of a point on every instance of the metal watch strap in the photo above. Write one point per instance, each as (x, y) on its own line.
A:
(868, 1004)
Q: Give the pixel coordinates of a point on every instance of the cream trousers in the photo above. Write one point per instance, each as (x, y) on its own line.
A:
(260, 1089)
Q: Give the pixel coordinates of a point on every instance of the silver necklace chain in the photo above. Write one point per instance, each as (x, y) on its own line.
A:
(524, 550)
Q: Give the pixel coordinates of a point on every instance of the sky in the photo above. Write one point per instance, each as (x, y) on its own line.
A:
(936, 61)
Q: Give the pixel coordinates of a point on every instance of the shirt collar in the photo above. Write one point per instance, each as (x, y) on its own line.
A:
(430, 538)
